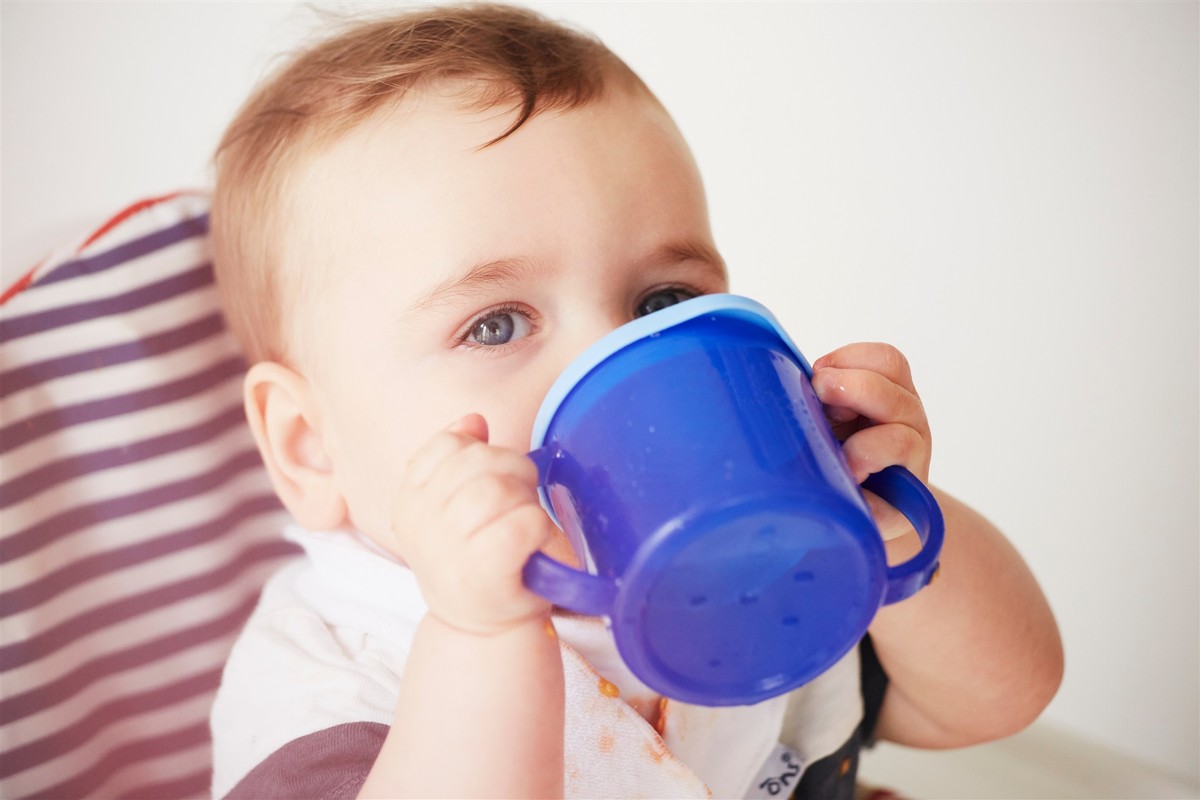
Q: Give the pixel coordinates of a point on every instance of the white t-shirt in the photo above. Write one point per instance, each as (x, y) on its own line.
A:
(328, 642)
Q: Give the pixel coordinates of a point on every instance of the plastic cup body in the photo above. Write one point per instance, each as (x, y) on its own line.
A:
(695, 470)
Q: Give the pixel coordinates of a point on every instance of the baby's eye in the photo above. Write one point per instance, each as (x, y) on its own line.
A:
(498, 327)
(660, 299)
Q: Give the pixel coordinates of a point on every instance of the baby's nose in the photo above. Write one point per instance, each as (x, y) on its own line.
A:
(560, 352)
(572, 340)
(589, 331)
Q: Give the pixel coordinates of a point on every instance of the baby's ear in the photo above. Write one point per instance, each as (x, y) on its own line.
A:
(283, 416)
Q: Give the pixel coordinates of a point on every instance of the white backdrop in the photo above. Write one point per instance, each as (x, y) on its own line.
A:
(1008, 192)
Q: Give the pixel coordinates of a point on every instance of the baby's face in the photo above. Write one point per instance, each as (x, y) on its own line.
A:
(457, 279)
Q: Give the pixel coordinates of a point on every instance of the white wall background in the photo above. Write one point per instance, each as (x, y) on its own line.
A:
(1009, 192)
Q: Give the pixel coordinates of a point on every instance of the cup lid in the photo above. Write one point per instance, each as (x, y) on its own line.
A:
(713, 304)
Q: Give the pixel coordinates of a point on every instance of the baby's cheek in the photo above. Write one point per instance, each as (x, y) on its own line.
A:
(370, 479)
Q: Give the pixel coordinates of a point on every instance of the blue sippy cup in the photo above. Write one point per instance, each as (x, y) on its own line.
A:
(688, 460)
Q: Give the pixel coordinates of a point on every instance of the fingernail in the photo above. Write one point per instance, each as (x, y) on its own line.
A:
(825, 382)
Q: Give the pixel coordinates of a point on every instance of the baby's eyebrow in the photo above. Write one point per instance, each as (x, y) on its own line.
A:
(482, 276)
(688, 250)
(485, 275)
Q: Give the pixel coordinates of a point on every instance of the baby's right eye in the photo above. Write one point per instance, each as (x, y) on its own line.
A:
(498, 326)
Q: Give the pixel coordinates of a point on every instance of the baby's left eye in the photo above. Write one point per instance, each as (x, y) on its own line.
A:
(660, 299)
(499, 327)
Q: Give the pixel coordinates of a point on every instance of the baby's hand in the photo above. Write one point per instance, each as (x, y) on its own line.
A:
(466, 520)
(874, 410)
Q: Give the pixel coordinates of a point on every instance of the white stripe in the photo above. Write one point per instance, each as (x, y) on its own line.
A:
(126, 429)
(118, 279)
(116, 329)
(119, 379)
(193, 661)
(134, 529)
(166, 769)
(138, 630)
(136, 478)
(137, 728)
(156, 573)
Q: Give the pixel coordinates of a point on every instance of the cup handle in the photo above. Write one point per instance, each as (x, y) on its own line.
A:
(569, 588)
(566, 587)
(900, 488)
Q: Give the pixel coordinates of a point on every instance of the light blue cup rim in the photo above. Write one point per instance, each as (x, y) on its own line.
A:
(643, 327)
(729, 305)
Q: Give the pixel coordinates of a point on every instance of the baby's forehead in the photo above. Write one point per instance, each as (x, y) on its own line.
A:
(482, 112)
(438, 164)
(444, 127)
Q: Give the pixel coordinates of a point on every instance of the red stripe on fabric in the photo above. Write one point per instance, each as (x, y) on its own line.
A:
(91, 780)
(121, 216)
(20, 285)
(27, 279)
(186, 229)
(61, 742)
(19, 654)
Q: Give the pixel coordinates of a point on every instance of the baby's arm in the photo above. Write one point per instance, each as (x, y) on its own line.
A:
(975, 655)
(480, 711)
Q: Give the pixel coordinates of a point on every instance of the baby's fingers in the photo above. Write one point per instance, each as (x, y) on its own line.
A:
(467, 431)
(484, 466)
(499, 553)
(508, 541)
(876, 448)
(877, 357)
(850, 392)
(484, 500)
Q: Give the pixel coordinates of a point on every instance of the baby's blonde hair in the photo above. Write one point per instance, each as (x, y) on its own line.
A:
(513, 56)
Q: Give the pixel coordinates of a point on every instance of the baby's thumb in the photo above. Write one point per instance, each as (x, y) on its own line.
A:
(473, 425)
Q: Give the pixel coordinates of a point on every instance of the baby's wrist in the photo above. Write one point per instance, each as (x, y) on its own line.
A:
(535, 623)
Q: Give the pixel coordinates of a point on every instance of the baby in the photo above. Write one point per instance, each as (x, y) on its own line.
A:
(417, 225)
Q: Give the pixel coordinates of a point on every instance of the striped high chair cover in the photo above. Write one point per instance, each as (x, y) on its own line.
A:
(137, 523)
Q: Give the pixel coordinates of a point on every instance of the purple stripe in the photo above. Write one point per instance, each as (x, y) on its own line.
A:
(196, 784)
(59, 691)
(90, 265)
(77, 573)
(29, 324)
(61, 525)
(33, 374)
(56, 472)
(39, 751)
(52, 639)
(88, 782)
(26, 430)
